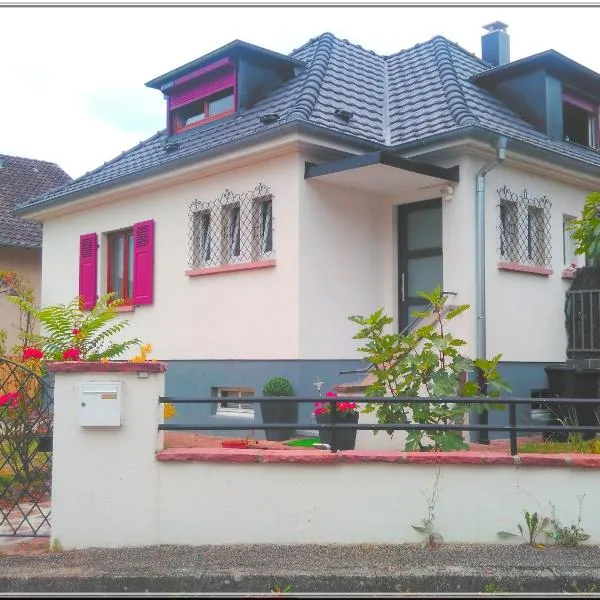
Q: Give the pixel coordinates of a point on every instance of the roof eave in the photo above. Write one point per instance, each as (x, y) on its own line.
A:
(287, 127)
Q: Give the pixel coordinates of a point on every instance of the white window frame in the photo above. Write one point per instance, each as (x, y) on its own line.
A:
(204, 238)
(230, 237)
(569, 245)
(262, 233)
(234, 411)
(509, 233)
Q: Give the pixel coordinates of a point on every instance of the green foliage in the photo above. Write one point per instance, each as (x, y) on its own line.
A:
(3, 336)
(567, 536)
(425, 362)
(493, 588)
(67, 326)
(585, 230)
(432, 538)
(278, 588)
(535, 526)
(278, 386)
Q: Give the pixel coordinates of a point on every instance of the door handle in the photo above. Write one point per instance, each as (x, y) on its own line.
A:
(402, 288)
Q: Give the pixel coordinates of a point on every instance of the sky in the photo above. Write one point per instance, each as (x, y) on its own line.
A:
(73, 78)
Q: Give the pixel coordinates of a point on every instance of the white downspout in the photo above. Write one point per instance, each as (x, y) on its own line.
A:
(481, 346)
(480, 245)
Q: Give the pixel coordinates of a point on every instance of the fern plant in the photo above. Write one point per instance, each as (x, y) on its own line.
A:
(71, 333)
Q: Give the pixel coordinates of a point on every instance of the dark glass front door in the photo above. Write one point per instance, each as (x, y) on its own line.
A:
(419, 255)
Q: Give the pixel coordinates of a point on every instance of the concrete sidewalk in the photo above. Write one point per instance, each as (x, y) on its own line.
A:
(261, 569)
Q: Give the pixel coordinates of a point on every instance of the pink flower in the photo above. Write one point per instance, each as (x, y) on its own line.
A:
(35, 353)
(11, 400)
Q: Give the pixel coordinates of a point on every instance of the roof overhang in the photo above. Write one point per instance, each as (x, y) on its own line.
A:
(381, 173)
(235, 49)
(551, 61)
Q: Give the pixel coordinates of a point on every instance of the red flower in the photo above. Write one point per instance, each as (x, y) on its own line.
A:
(75, 331)
(35, 353)
(331, 395)
(11, 399)
(71, 354)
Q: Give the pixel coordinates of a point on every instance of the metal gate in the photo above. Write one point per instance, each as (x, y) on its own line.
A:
(26, 419)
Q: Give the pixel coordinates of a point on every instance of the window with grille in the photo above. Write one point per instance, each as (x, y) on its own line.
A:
(524, 229)
(235, 228)
(232, 403)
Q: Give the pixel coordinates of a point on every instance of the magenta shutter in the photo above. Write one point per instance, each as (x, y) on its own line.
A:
(192, 92)
(88, 269)
(143, 262)
(224, 62)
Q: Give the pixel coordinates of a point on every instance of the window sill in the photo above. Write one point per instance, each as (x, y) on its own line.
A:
(509, 266)
(248, 266)
(125, 308)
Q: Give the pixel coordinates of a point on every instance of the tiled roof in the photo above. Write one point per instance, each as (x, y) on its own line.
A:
(408, 96)
(21, 179)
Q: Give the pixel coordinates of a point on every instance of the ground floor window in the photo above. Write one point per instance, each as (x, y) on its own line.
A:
(232, 403)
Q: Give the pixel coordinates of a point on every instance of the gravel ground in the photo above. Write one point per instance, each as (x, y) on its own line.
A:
(309, 568)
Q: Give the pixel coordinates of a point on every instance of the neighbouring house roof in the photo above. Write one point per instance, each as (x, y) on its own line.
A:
(20, 179)
(396, 101)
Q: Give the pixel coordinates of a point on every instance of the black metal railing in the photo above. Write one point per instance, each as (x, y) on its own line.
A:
(337, 425)
(582, 320)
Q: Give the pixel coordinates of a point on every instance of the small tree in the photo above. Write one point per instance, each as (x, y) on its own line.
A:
(426, 361)
(585, 230)
(18, 291)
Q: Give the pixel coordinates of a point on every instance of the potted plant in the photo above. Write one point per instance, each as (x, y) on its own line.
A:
(274, 411)
(346, 412)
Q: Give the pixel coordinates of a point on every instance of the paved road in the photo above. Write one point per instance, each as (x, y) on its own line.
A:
(306, 568)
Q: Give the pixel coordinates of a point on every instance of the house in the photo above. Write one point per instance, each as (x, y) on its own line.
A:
(289, 192)
(20, 238)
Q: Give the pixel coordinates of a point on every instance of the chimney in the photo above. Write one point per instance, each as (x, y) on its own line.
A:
(495, 45)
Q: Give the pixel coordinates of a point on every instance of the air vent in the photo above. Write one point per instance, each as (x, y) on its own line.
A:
(172, 146)
(269, 118)
(344, 115)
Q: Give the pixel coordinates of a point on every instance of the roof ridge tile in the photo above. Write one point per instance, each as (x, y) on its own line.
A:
(457, 104)
(313, 79)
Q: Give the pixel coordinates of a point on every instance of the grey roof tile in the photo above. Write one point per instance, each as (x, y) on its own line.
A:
(20, 179)
(396, 99)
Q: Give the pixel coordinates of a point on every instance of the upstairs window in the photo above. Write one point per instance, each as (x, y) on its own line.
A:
(524, 229)
(202, 96)
(580, 121)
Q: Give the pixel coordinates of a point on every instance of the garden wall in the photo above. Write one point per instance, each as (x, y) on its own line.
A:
(115, 486)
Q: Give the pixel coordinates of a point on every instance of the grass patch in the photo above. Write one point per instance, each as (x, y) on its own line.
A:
(575, 445)
(304, 442)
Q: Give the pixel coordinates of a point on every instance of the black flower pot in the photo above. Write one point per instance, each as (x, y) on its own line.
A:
(276, 411)
(345, 439)
(44, 443)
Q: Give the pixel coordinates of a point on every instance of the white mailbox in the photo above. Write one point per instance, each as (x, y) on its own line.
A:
(99, 404)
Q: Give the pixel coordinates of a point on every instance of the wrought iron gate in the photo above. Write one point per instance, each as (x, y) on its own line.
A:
(26, 419)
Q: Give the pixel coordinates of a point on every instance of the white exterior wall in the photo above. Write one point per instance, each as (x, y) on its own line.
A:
(108, 490)
(242, 314)
(341, 267)
(525, 312)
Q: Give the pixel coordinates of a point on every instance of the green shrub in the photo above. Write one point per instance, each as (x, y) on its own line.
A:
(278, 386)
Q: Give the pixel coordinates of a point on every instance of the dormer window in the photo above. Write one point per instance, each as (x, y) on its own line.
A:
(202, 96)
(218, 105)
(580, 121)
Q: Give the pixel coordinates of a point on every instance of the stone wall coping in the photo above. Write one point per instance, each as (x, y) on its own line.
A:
(111, 366)
(321, 457)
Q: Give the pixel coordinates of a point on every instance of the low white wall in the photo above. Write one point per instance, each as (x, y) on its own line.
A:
(109, 490)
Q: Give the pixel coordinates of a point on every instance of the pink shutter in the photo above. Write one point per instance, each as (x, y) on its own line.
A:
(88, 269)
(199, 90)
(143, 262)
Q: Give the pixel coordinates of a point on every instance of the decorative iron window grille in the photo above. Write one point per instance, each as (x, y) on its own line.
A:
(233, 228)
(524, 228)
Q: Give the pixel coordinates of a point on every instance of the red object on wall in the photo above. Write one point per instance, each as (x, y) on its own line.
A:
(88, 269)
(143, 262)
